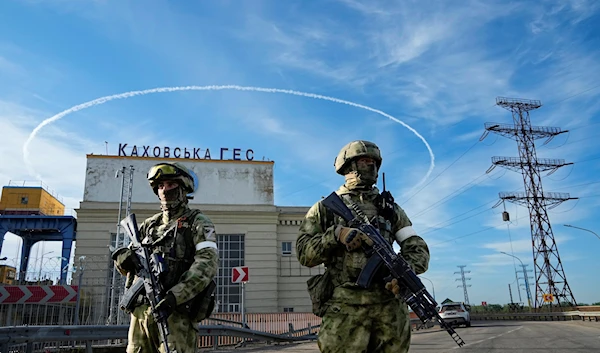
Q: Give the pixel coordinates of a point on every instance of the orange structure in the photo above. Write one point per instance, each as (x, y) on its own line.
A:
(30, 200)
(8, 274)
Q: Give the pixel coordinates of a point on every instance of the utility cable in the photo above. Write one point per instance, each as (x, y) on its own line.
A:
(450, 165)
(427, 231)
(454, 194)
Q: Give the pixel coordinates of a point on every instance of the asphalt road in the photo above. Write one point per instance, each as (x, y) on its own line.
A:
(483, 337)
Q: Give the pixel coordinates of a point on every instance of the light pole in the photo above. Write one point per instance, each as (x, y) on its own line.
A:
(587, 230)
(42, 264)
(525, 276)
(432, 287)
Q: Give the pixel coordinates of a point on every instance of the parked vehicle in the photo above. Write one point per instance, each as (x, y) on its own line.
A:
(456, 314)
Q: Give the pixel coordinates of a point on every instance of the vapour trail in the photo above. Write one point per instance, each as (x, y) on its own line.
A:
(106, 99)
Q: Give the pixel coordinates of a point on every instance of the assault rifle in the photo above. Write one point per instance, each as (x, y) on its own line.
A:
(413, 292)
(150, 266)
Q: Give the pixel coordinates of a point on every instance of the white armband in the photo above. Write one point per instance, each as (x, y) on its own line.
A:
(404, 234)
(206, 244)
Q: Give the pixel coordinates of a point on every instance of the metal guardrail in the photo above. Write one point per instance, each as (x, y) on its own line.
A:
(540, 316)
(18, 335)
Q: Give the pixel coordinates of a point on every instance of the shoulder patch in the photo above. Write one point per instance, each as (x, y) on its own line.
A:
(209, 233)
(203, 224)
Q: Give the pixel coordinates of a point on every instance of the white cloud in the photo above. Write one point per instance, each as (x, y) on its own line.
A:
(56, 154)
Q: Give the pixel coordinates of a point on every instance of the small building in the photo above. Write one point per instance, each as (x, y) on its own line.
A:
(8, 274)
(22, 199)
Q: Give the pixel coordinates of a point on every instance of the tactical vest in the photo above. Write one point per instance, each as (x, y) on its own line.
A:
(347, 265)
(176, 246)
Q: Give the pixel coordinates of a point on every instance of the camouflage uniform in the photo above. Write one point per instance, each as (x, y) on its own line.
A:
(192, 259)
(356, 319)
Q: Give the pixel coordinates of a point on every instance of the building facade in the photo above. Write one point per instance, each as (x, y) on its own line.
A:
(238, 197)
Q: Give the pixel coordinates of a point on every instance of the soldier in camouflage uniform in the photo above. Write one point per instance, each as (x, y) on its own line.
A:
(187, 241)
(354, 319)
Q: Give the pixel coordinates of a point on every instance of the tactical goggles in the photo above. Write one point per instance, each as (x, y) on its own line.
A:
(164, 171)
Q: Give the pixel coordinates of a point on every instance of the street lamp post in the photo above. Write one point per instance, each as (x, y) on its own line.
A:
(432, 287)
(42, 264)
(525, 276)
(587, 230)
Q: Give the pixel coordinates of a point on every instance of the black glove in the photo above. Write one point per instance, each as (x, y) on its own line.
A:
(125, 260)
(168, 303)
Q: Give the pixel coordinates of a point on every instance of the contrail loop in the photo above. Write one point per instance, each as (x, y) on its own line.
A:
(130, 94)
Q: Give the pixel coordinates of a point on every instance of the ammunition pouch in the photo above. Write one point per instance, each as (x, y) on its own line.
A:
(320, 289)
(201, 306)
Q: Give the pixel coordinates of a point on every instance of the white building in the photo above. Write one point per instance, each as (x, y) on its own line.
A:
(238, 197)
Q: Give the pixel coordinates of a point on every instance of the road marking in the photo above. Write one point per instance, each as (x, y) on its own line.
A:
(490, 338)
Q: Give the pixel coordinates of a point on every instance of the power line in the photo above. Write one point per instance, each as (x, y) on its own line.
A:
(446, 199)
(449, 197)
(427, 231)
(450, 165)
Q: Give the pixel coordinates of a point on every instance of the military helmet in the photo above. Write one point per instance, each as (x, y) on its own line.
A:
(171, 171)
(354, 150)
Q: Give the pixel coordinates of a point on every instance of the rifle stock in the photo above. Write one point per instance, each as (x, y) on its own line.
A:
(150, 268)
(413, 292)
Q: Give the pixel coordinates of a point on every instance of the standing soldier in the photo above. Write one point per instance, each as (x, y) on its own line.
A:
(186, 239)
(357, 319)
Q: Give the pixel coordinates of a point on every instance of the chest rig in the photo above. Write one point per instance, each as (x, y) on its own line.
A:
(381, 215)
(173, 243)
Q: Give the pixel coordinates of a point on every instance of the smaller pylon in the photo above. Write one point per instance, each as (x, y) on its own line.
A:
(464, 284)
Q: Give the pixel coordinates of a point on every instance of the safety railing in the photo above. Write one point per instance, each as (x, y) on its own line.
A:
(540, 316)
(30, 339)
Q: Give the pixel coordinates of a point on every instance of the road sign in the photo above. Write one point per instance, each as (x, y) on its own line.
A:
(37, 294)
(239, 274)
(483, 303)
(548, 298)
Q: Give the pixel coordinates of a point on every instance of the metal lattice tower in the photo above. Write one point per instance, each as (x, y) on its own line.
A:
(117, 316)
(464, 282)
(549, 273)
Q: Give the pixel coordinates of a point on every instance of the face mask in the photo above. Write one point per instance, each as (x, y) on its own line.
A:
(172, 199)
(362, 176)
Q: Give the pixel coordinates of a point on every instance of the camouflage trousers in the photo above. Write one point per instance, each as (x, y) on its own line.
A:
(144, 337)
(371, 328)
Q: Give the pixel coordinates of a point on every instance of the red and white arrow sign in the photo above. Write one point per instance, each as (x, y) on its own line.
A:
(239, 274)
(37, 294)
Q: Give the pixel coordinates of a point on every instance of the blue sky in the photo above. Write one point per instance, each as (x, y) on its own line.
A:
(436, 66)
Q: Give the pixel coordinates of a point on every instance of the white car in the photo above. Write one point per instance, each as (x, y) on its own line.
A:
(455, 314)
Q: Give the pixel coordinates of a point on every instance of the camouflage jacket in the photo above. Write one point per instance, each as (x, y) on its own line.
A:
(316, 244)
(192, 256)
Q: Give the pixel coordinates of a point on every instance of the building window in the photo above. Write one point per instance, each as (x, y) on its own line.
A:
(286, 248)
(231, 254)
(24, 200)
(288, 310)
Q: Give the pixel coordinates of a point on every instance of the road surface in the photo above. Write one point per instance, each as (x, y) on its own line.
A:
(481, 337)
